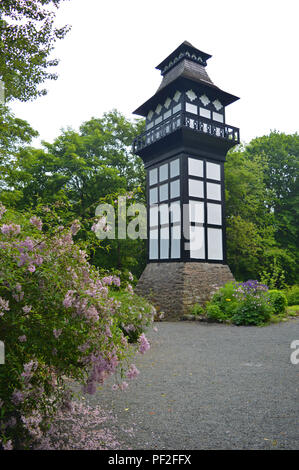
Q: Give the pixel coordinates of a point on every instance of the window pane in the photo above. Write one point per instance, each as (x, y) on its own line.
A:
(214, 191)
(153, 196)
(176, 241)
(164, 192)
(205, 113)
(175, 189)
(197, 242)
(218, 117)
(214, 214)
(153, 244)
(164, 243)
(174, 168)
(195, 188)
(213, 171)
(175, 212)
(153, 176)
(196, 212)
(215, 244)
(195, 167)
(164, 214)
(167, 114)
(191, 108)
(153, 216)
(177, 108)
(163, 172)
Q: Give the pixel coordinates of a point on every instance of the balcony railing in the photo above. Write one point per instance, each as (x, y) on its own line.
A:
(184, 119)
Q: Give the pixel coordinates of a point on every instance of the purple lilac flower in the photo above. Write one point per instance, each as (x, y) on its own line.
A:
(22, 339)
(132, 372)
(36, 222)
(144, 345)
(57, 333)
(17, 397)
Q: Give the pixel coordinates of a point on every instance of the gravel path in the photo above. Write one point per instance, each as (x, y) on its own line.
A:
(208, 386)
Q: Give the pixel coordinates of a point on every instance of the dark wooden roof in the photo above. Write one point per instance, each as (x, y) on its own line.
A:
(184, 66)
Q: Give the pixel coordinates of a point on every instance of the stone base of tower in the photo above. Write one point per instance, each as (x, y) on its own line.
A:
(174, 287)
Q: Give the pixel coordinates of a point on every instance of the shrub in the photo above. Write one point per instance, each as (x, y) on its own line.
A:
(214, 313)
(225, 298)
(278, 301)
(292, 295)
(58, 319)
(253, 307)
(197, 310)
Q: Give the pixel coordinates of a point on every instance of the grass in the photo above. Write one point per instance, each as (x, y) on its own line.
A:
(293, 311)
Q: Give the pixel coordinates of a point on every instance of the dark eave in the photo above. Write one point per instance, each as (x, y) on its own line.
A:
(186, 82)
(179, 53)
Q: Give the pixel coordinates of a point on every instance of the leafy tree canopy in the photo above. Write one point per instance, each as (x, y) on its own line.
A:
(27, 38)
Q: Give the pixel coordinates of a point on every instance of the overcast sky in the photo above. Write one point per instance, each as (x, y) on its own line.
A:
(108, 60)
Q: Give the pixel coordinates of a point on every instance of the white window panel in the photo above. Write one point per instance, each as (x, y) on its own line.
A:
(175, 241)
(196, 212)
(167, 103)
(177, 96)
(213, 171)
(191, 108)
(153, 176)
(217, 105)
(214, 214)
(205, 113)
(163, 172)
(175, 189)
(218, 117)
(153, 244)
(195, 188)
(177, 108)
(195, 167)
(158, 109)
(167, 114)
(154, 216)
(158, 120)
(164, 214)
(164, 192)
(174, 168)
(197, 242)
(191, 95)
(215, 251)
(175, 212)
(153, 196)
(164, 243)
(149, 126)
(204, 99)
(214, 191)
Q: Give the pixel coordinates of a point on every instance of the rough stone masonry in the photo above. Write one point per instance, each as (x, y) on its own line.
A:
(174, 287)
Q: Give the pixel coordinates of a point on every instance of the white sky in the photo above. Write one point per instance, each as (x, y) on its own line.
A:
(108, 60)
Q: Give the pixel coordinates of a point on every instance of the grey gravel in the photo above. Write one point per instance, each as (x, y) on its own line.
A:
(211, 386)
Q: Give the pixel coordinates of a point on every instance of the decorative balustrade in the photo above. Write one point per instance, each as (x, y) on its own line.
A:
(184, 119)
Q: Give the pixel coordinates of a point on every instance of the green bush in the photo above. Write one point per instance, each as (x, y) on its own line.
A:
(292, 295)
(226, 299)
(196, 310)
(278, 301)
(214, 313)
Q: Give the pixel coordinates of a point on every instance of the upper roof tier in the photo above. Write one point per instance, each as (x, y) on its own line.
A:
(185, 66)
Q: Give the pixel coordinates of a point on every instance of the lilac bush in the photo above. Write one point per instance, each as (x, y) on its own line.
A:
(58, 319)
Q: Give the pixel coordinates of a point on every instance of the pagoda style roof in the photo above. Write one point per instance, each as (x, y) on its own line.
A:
(185, 66)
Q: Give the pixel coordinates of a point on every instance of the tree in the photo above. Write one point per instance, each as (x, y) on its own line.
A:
(279, 153)
(82, 168)
(27, 38)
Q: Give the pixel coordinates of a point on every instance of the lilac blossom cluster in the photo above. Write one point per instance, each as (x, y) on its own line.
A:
(58, 306)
